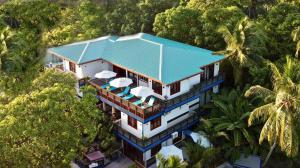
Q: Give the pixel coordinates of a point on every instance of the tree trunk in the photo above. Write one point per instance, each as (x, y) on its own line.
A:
(270, 152)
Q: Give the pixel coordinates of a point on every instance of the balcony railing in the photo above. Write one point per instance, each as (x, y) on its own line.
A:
(160, 105)
(146, 142)
(127, 104)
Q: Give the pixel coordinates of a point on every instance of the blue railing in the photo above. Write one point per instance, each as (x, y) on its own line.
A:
(148, 143)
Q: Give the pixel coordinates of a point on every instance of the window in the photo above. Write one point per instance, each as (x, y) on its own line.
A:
(72, 67)
(155, 123)
(175, 87)
(142, 78)
(157, 87)
(132, 122)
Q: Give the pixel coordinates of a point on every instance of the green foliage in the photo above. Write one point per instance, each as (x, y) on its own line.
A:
(201, 157)
(82, 22)
(124, 19)
(37, 14)
(216, 17)
(181, 24)
(230, 112)
(281, 20)
(279, 113)
(45, 126)
(171, 162)
(149, 9)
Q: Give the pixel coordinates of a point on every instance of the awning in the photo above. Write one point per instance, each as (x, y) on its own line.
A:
(94, 156)
(171, 150)
(198, 138)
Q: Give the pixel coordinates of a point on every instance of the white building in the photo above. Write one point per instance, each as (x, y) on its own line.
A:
(182, 77)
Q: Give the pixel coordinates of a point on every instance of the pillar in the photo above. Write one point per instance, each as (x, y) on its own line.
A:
(104, 106)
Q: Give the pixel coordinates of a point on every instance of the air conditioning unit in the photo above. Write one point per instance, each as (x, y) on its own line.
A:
(174, 135)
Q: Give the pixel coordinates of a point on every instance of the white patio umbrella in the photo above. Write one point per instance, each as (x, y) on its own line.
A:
(172, 150)
(142, 91)
(105, 74)
(120, 82)
(200, 139)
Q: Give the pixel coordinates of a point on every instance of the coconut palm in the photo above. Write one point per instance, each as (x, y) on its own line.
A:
(240, 43)
(170, 162)
(279, 113)
(5, 34)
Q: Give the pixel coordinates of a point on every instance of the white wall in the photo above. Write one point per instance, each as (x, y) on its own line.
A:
(124, 124)
(216, 68)
(88, 69)
(168, 116)
(185, 86)
(91, 68)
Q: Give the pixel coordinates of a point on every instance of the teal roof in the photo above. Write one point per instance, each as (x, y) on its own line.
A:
(162, 59)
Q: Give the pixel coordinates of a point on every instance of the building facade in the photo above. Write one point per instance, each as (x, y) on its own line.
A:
(182, 77)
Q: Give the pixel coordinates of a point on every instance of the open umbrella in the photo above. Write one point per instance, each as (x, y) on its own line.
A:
(120, 82)
(171, 150)
(105, 74)
(142, 91)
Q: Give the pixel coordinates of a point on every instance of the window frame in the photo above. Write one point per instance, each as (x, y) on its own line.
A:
(72, 66)
(132, 122)
(155, 123)
(175, 87)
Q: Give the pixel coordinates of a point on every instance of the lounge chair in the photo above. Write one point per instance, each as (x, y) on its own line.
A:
(150, 103)
(111, 88)
(139, 101)
(125, 91)
(128, 97)
(105, 86)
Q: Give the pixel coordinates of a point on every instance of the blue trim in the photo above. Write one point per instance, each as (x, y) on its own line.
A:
(144, 149)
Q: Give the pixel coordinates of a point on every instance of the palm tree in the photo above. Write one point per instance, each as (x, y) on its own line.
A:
(230, 112)
(237, 52)
(170, 162)
(201, 157)
(279, 113)
(296, 38)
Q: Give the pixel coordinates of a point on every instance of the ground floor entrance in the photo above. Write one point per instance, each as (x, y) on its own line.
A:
(133, 153)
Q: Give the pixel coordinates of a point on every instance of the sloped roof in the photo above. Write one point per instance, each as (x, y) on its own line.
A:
(162, 59)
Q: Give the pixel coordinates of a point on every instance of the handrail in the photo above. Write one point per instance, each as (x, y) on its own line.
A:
(148, 141)
(156, 108)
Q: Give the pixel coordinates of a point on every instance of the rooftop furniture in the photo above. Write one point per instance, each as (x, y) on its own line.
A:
(128, 97)
(142, 100)
(150, 102)
(111, 88)
(121, 82)
(105, 86)
(125, 91)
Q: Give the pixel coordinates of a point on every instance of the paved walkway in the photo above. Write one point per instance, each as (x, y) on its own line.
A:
(122, 162)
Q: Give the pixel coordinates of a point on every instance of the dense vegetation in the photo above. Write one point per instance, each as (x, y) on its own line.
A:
(258, 113)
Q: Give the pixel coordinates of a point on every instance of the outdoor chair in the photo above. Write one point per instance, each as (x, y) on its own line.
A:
(125, 91)
(139, 101)
(128, 97)
(150, 102)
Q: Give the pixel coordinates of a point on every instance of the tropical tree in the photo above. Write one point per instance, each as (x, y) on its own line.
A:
(77, 23)
(170, 162)
(238, 41)
(181, 24)
(280, 113)
(230, 111)
(150, 8)
(201, 157)
(45, 126)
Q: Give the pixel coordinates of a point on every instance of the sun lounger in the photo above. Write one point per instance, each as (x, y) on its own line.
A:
(128, 97)
(125, 91)
(105, 86)
(150, 103)
(139, 101)
(111, 88)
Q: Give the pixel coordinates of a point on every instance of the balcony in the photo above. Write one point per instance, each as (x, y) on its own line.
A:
(140, 111)
(148, 143)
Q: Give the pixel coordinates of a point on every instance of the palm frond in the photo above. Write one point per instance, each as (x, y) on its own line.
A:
(262, 112)
(258, 90)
